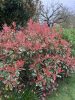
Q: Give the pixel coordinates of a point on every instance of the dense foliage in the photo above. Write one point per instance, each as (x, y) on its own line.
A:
(16, 10)
(34, 55)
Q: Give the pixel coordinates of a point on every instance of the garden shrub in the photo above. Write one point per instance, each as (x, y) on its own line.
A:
(34, 55)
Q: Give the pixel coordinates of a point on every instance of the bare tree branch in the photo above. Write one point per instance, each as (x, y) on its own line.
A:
(55, 13)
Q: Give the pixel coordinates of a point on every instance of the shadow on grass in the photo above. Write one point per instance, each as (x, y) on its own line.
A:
(65, 91)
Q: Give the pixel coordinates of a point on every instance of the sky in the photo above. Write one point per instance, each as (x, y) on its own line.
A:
(68, 3)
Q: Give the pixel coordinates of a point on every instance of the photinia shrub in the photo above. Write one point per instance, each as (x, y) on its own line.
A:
(35, 54)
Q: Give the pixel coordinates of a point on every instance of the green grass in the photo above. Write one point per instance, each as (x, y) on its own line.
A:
(65, 91)
(69, 34)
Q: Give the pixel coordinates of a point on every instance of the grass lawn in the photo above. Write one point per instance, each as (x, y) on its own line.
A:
(65, 91)
(69, 34)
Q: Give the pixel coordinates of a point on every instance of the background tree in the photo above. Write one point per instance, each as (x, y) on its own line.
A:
(39, 6)
(16, 10)
(70, 22)
(54, 13)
